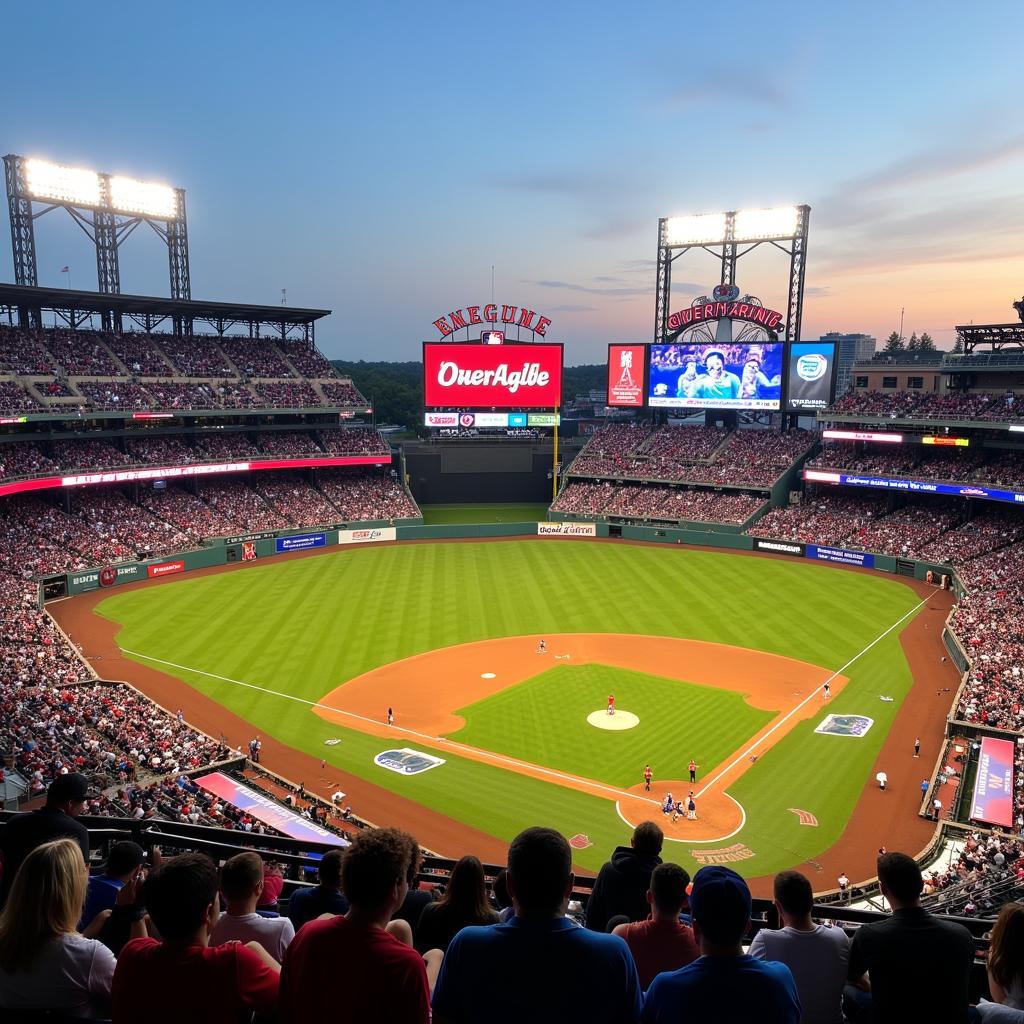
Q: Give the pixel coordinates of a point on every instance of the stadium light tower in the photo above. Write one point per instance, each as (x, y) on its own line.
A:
(108, 208)
(722, 235)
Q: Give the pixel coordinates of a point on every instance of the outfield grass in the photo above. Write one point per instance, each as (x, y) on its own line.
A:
(303, 626)
(434, 515)
(544, 720)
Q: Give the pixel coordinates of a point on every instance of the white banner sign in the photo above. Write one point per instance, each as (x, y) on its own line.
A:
(567, 529)
(441, 419)
(373, 535)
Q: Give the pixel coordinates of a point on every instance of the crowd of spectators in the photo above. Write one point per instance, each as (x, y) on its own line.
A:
(189, 513)
(342, 393)
(115, 394)
(224, 447)
(354, 441)
(139, 353)
(930, 405)
(297, 394)
(22, 353)
(287, 443)
(700, 455)
(160, 450)
(824, 519)
(82, 355)
(307, 360)
(15, 399)
(651, 502)
(359, 494)
(87, 453)
(112, 514)
(238, 502)
(256, 357)
(196, 355)
(297, 500)
(24, 460)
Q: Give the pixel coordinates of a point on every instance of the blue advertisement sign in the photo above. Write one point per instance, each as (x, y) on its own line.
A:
(517, 419)
(864, 559)
(301, 541)
(913, 486)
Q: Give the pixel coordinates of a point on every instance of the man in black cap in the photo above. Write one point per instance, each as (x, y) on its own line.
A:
(724, 985)
(65, 802)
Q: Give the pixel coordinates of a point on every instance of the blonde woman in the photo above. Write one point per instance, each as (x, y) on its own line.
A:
(45, 964)
(1006, 968)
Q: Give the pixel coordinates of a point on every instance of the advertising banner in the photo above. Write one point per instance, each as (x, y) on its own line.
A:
(779, 547)
(374, 535)
(567, 529)
(626, 365)
(301, 541)
(811, 376)
(993, 785)
(92, 578)
(492, 376)
(264, 535)
(492, 419)
(862, 558)
(886, 483)
(165, 569)
(517, 419)
(441, 419)
(862, 435)
(709, 376)
(543, 419)
(266, 809)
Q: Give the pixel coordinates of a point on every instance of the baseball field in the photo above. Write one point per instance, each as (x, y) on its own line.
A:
(714, 657)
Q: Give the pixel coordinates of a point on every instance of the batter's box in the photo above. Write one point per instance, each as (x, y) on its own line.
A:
(846, 725)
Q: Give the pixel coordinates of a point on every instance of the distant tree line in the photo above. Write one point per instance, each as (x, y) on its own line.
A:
(894, 343)
(396, 389)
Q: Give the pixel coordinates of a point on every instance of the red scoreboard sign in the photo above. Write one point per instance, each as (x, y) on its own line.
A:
(626, 375)
(472, 376)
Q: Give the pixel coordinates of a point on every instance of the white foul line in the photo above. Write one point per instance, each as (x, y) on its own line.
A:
(814, 693)
(485, 755)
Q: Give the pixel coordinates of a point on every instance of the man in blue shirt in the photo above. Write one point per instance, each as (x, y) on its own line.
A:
(123, 861)
(724, 985)
(538, 967)
(308, 903)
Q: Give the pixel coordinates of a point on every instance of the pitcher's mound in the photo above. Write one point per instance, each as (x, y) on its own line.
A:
(620, 720)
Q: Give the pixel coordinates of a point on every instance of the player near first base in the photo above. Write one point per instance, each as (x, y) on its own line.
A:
(647, 778)
(611, 703)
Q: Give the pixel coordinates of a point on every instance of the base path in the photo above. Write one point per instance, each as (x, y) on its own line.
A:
(431, 687)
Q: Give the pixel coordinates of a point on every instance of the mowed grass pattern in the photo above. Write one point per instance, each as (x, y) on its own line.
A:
(544, 721)
(303, 626)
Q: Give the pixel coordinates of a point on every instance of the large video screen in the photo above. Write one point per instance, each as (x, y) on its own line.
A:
(811, 376)
(510, 376)
(709, 376)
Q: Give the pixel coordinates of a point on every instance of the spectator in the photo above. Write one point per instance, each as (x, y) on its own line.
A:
(919, 966)
(662, 942)
(464, 903)
(385, 979)
(183, 977)
(241, 883)
(65, 802)
(622, 883)
(1006, 968)
(123, 862)
(326, 898)
(724, 985)
(817, 955)
(45, 964)
(538, 966)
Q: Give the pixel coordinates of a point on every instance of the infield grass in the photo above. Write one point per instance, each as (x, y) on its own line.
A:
(303, 626)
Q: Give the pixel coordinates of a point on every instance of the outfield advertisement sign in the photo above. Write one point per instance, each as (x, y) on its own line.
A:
(300, 542)
(407, 762)
(264, 808)
(94, 578)
(567, 529)
(993, 785)
(165, 569)
(779, 547)
(374, 535)
(864, 559)
(886, 483)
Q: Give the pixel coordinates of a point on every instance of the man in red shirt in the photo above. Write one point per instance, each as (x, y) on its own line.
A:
(382, 977)
(662, 942)
(183, 977)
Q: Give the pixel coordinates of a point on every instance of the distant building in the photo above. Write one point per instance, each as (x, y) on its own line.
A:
(850, 349)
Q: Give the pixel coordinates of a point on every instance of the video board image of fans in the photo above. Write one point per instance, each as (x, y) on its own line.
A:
(711, 376)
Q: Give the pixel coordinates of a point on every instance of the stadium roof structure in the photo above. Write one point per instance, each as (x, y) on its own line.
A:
(998, 336)
(76, 308)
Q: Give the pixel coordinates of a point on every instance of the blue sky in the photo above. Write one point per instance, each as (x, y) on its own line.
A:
(377, 161)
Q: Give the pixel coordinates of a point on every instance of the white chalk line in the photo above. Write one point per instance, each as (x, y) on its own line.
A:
(486, 755)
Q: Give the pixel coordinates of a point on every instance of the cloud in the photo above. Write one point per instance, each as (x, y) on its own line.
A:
(572, 309)
(817, 293)
(562, 183)
(733, 83)
(569, 286)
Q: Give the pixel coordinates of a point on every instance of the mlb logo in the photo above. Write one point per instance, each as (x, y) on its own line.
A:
(493, 337)
(467, 419)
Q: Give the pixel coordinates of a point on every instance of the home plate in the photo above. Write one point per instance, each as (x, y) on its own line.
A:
(620, 720)
(488, 675)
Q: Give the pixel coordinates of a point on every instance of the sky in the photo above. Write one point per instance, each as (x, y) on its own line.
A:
(379, 160)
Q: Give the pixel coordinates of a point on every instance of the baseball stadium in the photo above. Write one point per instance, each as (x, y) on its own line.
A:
(760, 590)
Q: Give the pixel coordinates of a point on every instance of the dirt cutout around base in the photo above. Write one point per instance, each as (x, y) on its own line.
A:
(426, 690)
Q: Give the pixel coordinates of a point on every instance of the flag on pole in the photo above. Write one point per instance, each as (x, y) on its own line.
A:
(65, 270)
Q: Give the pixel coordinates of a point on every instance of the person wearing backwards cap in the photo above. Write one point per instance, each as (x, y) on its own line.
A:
(724, 985)
(65, 802)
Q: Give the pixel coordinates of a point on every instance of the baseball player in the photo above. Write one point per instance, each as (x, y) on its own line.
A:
(827, 688)
(542, 647)
(693, 770)
(667, 804)
(691, 807)
(391, 716)
(647, 778)
(611, 703)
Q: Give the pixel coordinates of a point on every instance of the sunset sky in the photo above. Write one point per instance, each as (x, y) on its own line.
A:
(377, 160)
